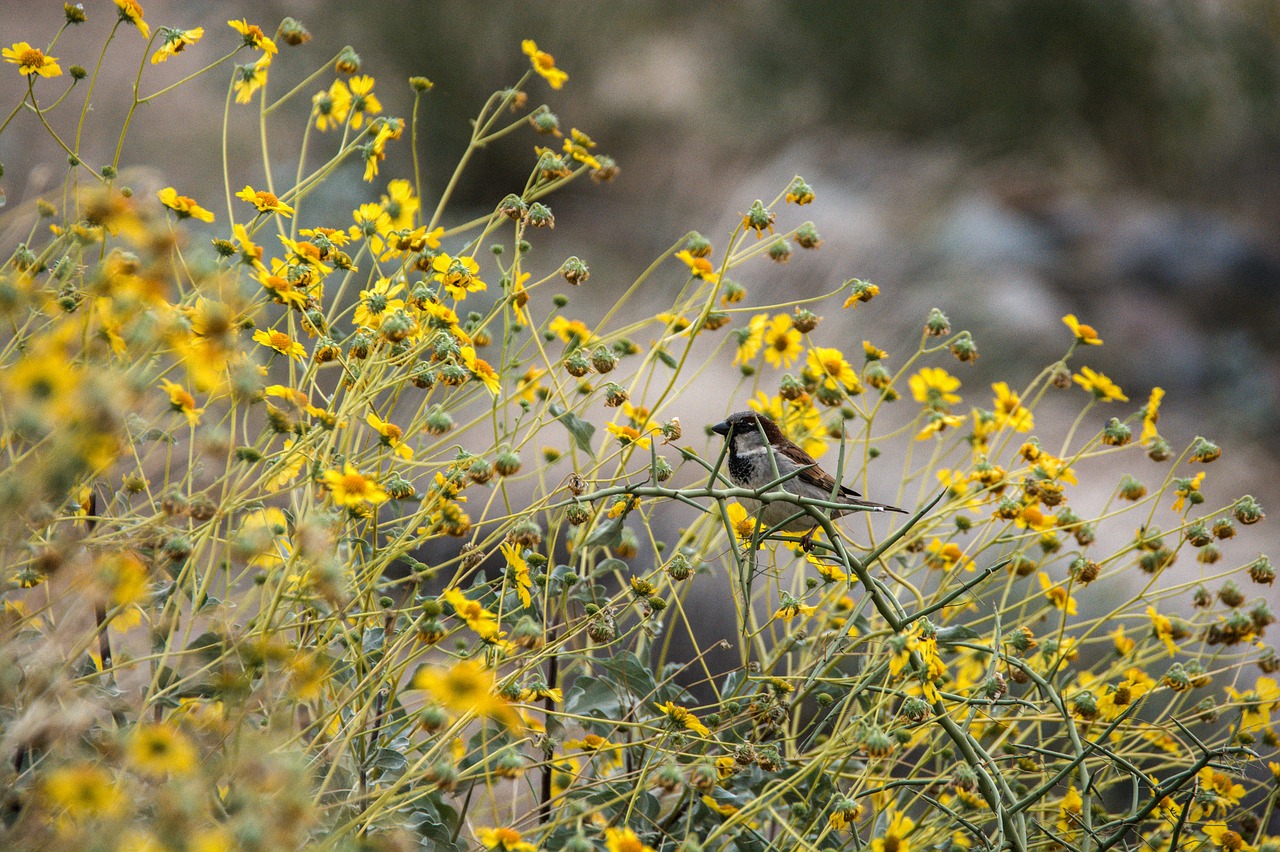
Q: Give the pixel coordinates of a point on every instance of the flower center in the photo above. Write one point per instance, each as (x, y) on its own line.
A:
(33, 58)
(354, 483)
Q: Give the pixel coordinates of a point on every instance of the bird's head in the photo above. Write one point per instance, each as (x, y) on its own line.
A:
(745, 423)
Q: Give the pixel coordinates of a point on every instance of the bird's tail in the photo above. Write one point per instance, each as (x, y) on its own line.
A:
(878, 507)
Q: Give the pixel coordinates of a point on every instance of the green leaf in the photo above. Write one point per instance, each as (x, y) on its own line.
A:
(631, 675)
(580, 429)
(593, 697)
(608, 534)
(665, 357)
(956, 633)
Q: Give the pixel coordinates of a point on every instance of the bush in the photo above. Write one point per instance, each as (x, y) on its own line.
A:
(356, 534)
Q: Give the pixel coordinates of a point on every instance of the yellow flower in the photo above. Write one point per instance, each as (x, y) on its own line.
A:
(683, 719)
(131, 13)
(1058, 595)
(895, 836)
(181, 400)
(401, 205)
(466, 687)
(520, 568)
(378, 303)
(1162, 626)
(699, 267)
(630, 436)
(351, 488)
(332, 107)
(161, 750)
(481, 369)
(174, 41)
(1103, 389)
(934, 387)
(750, 339)
(1257, 704)
(800, 421)
(571, 331)
(781, 342)
(506, 839)
(578, 146)
(1224, 838)
(479, 619)
(391, 435)
(1151, 415)
(248, 79)
(31, 60)
(744, 525)
(1084, 333)
(624, 840)
(791, 607)
(936, 422)
(946, 557)
(185, 206)
(83, 790)
(254, 36)
(363, 101)
(459, 275)
(863, 291)
(1010, 411)
(1222, 790)
(1069, 811)
(281, 342)
(829, 365)
(265, 202)
(1183, 489)
(264, 533)
(528, 385)
(1123, 643)
(543, 63)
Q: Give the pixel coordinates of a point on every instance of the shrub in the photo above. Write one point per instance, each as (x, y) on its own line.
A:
(357, 534)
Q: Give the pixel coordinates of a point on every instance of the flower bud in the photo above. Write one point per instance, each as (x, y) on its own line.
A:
(1085, 571)
(698, 245)
(575, 271)
(438, 421)
(1132, 489)
(807, 236)
(759, 218)
(576, 364)
(779, 250)
(293, 33)
(603, 360)
(607, 170)
(1116, 434)
(348, 61)
(965, 350)
(1247, 511)
(1204, 451)
(937, 325)
(1261, 571)
(545, 122)
(539, 216)
(421, 84)
(615, 394)
(507, 462)
(1198, 534)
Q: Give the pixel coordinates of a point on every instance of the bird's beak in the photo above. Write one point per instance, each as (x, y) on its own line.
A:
(721, 428)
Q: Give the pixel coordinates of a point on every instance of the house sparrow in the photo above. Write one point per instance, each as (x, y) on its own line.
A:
(759, 454)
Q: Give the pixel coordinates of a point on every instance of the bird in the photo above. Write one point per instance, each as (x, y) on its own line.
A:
(759, 453)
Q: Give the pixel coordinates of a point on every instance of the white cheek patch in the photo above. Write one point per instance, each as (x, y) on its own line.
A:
(754, 451)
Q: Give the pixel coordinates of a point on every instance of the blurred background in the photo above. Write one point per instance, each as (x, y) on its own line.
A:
(1008, 161)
